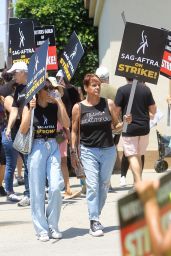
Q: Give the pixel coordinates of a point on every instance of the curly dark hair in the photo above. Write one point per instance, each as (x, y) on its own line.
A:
(6, 76)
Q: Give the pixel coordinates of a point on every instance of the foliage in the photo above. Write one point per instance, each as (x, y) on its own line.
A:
(67, 16)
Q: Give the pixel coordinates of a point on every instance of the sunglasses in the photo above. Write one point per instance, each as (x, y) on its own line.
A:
(48, 88)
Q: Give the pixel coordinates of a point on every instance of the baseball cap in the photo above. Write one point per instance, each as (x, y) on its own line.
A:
(18, 66)
(54, 83)
(60, 73)
(102, 72)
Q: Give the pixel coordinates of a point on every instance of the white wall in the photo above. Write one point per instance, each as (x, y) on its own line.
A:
(154, 13)
(3, 24)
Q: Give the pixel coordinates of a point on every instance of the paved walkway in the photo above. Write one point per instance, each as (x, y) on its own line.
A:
(17, 236)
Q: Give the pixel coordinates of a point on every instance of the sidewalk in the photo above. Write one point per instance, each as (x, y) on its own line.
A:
(17, 237)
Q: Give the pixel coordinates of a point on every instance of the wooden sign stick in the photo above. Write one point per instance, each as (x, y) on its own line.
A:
(168, 110)
(130, 102)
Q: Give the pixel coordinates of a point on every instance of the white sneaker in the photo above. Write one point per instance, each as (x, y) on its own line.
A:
(13, 198)
(55, 234)
(43, 237)
(122, 181)
(24, 202)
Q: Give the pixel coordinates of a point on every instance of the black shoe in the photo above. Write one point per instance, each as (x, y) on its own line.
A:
(20, 181)
(2, 191)
(95, 228)
(100, 225)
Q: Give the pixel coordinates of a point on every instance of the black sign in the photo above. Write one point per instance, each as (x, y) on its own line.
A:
(43, 33)
(71, 56)
(134, 233)
(166, 62)
(141, 52)
(13, 21)
(36, 72)
(21, 43)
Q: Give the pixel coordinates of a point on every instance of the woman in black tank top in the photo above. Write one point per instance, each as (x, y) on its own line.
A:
(97, 150)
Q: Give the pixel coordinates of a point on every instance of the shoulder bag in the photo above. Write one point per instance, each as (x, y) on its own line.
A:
(79, 170)
(23, 142)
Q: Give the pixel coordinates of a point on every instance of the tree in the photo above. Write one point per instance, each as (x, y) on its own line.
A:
(66, 16)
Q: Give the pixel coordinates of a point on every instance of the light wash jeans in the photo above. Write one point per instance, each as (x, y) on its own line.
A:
(98, 166)
(44, 162)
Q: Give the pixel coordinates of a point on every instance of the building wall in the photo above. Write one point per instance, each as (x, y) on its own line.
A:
(3, 25)
(111, 27)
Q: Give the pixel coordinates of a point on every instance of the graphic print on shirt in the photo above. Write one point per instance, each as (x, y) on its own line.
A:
(95, 117)
(46, 120)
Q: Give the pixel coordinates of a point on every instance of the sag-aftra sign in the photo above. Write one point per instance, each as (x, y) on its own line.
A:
(141, 52)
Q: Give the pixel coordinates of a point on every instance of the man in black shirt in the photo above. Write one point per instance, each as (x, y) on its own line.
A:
(19, 70)
(135, 139)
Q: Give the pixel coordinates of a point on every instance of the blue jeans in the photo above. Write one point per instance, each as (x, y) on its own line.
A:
(11, 161)
(98, 166)
(26, 178)
(45, 162)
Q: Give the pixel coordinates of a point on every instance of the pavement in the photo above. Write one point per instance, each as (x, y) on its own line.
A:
(17, 236)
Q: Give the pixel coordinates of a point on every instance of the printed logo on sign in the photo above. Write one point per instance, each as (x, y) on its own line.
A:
(74, 52)
(36, 63)
(22, 38)
(45, 120)
(143, 43)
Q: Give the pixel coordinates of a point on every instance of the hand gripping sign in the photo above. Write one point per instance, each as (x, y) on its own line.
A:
(134, 233)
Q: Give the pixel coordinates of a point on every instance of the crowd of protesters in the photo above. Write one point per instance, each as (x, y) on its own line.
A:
(97, 115)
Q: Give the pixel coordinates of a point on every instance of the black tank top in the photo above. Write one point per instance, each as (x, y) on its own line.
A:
(95, 125)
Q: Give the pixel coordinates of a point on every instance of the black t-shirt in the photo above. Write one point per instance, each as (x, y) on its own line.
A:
(45, 121)
(70, 97)
(140, 109)
(95, 125)
(19, 96)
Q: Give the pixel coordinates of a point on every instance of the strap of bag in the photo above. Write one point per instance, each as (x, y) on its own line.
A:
(78, 140)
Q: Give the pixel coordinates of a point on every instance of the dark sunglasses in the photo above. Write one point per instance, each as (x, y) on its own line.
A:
(48, 88)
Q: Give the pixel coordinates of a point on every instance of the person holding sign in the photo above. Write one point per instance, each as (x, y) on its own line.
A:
(135, 139)
(160, 239)
(92, 118)
(44, 161)
(20, 71)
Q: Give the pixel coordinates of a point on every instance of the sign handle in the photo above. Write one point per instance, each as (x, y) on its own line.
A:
(168, 109)
(123, 17)
(130, 102)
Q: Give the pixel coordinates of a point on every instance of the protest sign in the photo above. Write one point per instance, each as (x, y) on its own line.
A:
(141, 52)
(36, 72)
(43, 33)
(134, 232)
(71, 56)
(165, 69)
(15, 20)
(21, 45)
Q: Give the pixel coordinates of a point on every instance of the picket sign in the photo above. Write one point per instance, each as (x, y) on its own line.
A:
(168, 110)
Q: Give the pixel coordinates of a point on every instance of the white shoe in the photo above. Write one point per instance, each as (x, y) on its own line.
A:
(55, 234)
(122, 181)
(43, 237)
(24, 202)
(13, 198)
